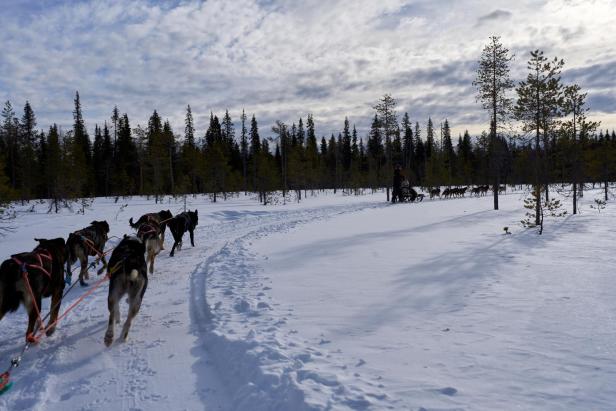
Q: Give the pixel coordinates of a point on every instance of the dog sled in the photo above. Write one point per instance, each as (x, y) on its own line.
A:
(408, 193)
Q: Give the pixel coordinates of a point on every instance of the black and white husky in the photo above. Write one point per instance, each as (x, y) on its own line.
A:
(128, 275)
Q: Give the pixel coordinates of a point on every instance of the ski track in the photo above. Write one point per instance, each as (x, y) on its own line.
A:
(226, 370)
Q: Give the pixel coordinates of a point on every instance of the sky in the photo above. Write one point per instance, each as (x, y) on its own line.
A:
(282, 59)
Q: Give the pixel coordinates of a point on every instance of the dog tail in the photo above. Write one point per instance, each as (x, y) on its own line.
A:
(133, 275)
(71, 242)
(133, 225)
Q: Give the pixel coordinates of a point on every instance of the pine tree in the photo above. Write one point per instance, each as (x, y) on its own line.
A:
(385, 109)
(574, 102)
(493, 83)
(537, 105)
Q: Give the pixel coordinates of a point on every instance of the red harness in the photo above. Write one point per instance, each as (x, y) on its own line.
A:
(146, 229)
(40, 255)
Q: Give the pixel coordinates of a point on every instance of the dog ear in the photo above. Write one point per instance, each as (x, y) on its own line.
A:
(40, 240)
(196, 211)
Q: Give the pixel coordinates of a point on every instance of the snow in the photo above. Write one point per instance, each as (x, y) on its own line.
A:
(338, 302)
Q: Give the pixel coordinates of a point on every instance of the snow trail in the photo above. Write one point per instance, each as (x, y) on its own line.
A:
(257, 374)
(169, 360)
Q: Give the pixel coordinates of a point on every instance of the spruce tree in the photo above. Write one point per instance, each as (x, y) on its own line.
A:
(255, 150)
(27, 154)
(408, 145)
(98, 161)
(449, 156)
(108, 160)
(244, 151)
(189, 128)
(10, 142)
(53, 167)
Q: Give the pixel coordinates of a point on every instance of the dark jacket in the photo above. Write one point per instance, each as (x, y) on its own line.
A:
(398, 177)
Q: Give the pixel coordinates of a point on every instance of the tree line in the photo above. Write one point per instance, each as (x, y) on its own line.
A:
(557, 144)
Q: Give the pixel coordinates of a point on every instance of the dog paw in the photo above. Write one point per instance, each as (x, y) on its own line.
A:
(50, 331)
(108, 339)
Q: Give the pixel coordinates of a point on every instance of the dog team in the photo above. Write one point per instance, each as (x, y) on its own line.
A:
(26, 278)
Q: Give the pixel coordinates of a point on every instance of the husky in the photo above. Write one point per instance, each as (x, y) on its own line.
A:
(186, 221)
(89, 241)
(44, 269)
(161, 218)
(149, 234)
(128, 275)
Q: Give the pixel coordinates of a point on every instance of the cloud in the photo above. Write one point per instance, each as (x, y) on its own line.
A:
(495, 15)
(282, 59)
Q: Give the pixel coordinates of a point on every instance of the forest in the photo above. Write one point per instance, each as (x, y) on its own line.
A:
(540, 137)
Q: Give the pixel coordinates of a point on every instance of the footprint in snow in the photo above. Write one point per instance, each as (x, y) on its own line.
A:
(449, 391)
(263, 305)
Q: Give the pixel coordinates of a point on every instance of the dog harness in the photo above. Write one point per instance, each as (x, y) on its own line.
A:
(146, 229)
(40, 255)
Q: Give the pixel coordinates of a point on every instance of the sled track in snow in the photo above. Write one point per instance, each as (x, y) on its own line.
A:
(238, 323)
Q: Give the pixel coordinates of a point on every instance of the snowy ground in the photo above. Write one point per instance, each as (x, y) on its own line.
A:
(339, 303)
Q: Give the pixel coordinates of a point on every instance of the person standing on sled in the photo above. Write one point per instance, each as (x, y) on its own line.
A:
(396, 194)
